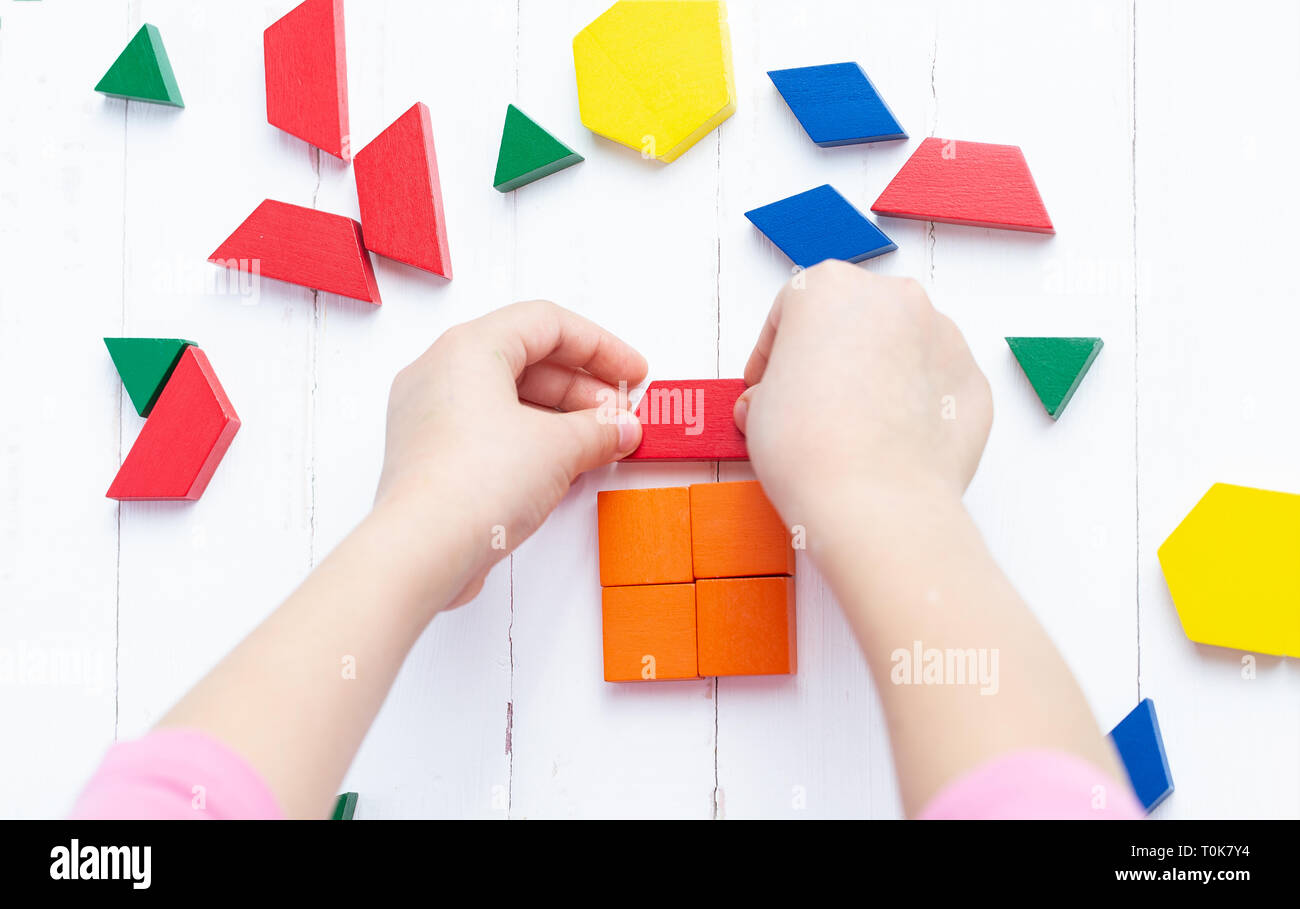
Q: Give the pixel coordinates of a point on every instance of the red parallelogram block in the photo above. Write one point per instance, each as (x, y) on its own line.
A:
(302, 246)
(401, 199)
(970, 183)
(307, 76)
(690, 420)
(183, 440)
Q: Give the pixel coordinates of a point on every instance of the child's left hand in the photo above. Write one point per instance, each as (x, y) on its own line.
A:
(490, 426)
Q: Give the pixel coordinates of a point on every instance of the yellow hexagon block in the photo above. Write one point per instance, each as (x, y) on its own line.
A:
(656, 75)
(1233, 570)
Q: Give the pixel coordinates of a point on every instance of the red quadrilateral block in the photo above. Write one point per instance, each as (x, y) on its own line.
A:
(690, 420)
(307, 76)
(401, 199)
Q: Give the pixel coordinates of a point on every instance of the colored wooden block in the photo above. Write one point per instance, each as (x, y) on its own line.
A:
(345, 806)
(307, 76)
(142, 72)
(820, 224)
(745, 626)
(1233, 570)
(691, 420)
(1142, 751)
(302, 246)
(400, 195)
(644, 536)
(837, 104)
(649, 632)
(528, 152)
(735, 532)
(184, 439)
(1055, 366)
(970, 183)
(655, 75)
(145, 365)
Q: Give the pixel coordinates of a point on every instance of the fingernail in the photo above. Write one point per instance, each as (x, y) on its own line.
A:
(742, 412)
(629, 433)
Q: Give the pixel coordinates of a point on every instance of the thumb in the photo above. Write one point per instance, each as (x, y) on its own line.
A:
(595, 437)
(741, 413)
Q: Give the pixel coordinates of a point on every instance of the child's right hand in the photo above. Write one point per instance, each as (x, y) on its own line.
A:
(861, 393)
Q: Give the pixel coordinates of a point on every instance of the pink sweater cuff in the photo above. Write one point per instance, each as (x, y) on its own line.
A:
(1050, 785)
(175, 774)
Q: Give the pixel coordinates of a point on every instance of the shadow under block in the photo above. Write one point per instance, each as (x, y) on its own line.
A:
(644, 536)
(142, 72)
(690, 420)
(184, 438)
(970, 183)
(735, 532)
(302, 246)
(655, 75)
(1055, 367)
(307, 76)
(745, 626)
(145, 364)
(528, 153)
(1233, 570)
(649, 632)
(344, 807)
(820, 224)
(400, 195)
(1142, 752)
(837, 104)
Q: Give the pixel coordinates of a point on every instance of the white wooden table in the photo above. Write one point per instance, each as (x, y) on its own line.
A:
(1163, 138)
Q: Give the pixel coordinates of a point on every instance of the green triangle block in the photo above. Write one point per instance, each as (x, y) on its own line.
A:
(528, 152)
(344, 806)
(145, 365)
(1055, 366)
(143, 72)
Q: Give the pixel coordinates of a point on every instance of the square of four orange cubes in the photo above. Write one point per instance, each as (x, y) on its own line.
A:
(696, 582)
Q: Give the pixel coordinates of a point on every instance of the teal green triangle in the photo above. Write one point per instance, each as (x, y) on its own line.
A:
(1055, 366)
(528, 152)
(145, 365)
(142, 72)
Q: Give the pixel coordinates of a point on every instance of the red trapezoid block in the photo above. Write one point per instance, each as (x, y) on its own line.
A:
(307, 76)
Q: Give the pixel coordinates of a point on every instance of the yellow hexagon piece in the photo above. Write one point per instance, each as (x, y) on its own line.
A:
(1233, 570)
(656, 75)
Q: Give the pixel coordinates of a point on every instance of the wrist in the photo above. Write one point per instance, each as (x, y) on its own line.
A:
(426, 550)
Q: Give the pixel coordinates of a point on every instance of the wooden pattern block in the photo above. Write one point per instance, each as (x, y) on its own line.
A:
(1142, 751)
(307, 76)
(649, 632)
(302, 246)
(656, 75)
(969, 183)
(400, 195)
(691, 420)
(644, 536)
(1055, 367)
(145, 364)
(184, 439)
(142, 72)
(820, 224)
(1233, 571)
(735, 532)
(344, 807)
(837, 104)
(745, 626)
(528, 152)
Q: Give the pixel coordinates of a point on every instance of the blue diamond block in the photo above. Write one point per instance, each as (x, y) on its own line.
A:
(837, 104)
(820, 224)
(1142, 751)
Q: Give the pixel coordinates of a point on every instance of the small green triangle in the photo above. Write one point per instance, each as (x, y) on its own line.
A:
(145, 365)
(1055, 366)
(344, 807)
(142, 72)
(528, 152)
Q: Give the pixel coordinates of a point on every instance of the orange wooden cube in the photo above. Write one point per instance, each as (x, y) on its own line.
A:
(735, 532)
(745, 626)
(649, 632)
(645, 536)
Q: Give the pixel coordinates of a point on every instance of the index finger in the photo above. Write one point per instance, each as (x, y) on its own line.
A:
(527, 333)
(757, 364)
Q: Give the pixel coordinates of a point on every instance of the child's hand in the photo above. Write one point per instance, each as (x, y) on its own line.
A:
(862, 393)
(476, 444)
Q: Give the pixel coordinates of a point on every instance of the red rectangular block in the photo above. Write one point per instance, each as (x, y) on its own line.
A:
(690, 420)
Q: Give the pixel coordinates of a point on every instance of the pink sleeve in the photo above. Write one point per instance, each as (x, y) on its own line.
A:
(1050, 785)
(174, 774)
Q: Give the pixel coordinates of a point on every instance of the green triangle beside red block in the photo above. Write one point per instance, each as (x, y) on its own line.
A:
(145, 365)
(142, 72)
(528, 152)
(1055, 366)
